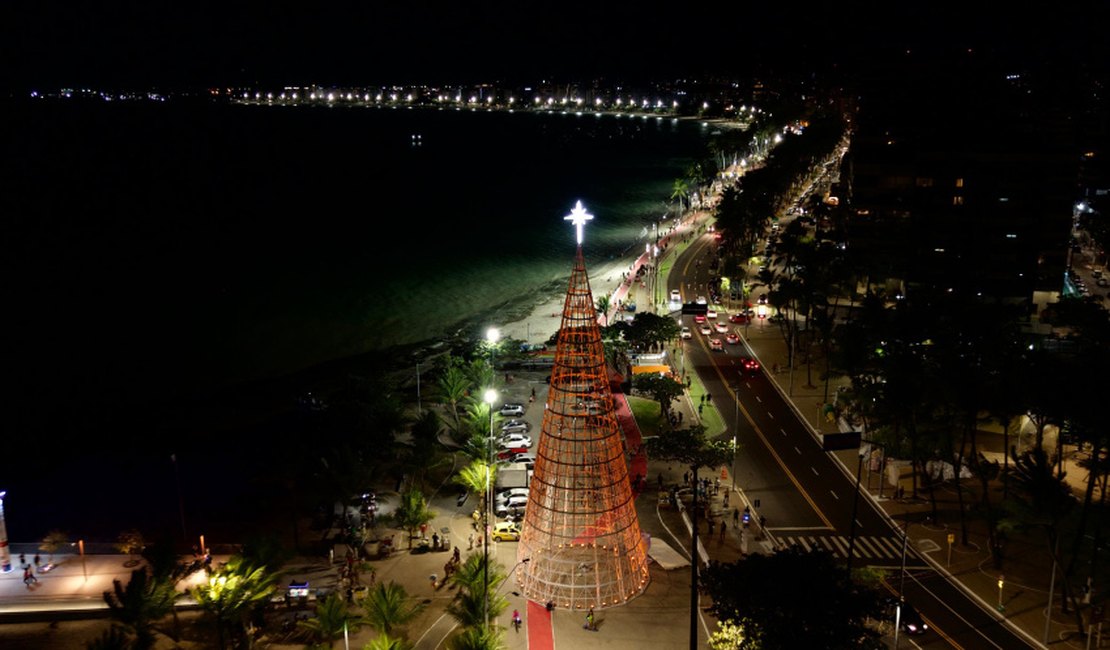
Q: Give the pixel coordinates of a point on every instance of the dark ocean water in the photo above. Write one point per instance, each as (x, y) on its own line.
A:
(154, 252)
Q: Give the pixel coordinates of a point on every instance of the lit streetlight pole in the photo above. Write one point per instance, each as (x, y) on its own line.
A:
(490, 399)
(5, 554)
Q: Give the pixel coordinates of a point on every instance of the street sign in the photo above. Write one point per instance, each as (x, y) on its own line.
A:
(951, 538)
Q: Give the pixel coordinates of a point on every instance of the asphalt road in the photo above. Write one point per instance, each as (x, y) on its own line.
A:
(805, 494)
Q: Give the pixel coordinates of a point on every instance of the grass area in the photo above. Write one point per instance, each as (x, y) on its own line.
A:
(646, 412)
(710, 416)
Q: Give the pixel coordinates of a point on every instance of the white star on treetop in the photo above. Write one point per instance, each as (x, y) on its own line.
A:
(578, 216)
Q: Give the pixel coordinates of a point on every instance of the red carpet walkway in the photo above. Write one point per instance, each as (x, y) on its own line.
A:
(539, 628)
(633, 441)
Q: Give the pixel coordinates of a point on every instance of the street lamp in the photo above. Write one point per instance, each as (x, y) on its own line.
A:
(490, 398)
(5, 555)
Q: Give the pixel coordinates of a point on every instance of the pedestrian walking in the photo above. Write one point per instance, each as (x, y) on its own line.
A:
(455, 557)
(470, 542)
(660, 480)
(516, 620)
(590, 624)
(726, 500)
(435, 541)
(735, 516)
(724, 527)
(711, 526)
(699, 408)
(38, 561)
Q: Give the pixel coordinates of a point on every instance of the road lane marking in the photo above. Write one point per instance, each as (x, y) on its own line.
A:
(834, 495)
(774, 454)
(813, 469)
(770, 415)
(798, 450)
(783, 431)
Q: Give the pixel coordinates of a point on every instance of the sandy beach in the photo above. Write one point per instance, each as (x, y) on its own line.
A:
(605, 279)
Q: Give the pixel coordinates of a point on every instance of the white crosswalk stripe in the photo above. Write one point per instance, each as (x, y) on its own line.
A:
(866, 547)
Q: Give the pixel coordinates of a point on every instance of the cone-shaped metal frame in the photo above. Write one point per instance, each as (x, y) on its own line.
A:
(580, 532)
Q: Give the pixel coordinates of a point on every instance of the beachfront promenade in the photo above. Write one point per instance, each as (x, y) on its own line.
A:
(657, 617)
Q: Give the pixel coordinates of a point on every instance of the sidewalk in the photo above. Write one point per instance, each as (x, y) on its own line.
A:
(1024, 592)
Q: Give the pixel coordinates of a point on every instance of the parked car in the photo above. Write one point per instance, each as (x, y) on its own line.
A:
(514, 440)
(505, 494)
(505, 531)
(686, 333)
(715, 344)
(511, 506)
(512, 410)
(515, 426)
(528, 459)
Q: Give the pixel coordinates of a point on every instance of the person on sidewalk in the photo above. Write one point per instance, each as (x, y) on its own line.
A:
(724, 527)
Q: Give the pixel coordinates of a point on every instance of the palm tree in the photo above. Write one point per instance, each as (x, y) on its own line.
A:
(114, 638)
(139, 605)
(386, 642)
(233, 591)
(477, 592)
(680, 191)
(477, 638)
(453, 386)
(388, 607)
(603, 305)
(477, 476)
(332, 619)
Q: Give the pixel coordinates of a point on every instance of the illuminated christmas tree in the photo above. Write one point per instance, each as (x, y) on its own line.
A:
(580, 533)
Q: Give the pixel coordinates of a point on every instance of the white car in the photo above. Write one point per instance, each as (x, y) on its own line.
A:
(676, 295)
(512, 505)
(505, 495)
(715, 344)
(710, 313)
(515, 426)
(720, 327)
(512, 410)
(686, 333)
(705, 329)
(514, 441)
(702, 300)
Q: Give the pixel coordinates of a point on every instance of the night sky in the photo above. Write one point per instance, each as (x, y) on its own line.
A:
(139, 43)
